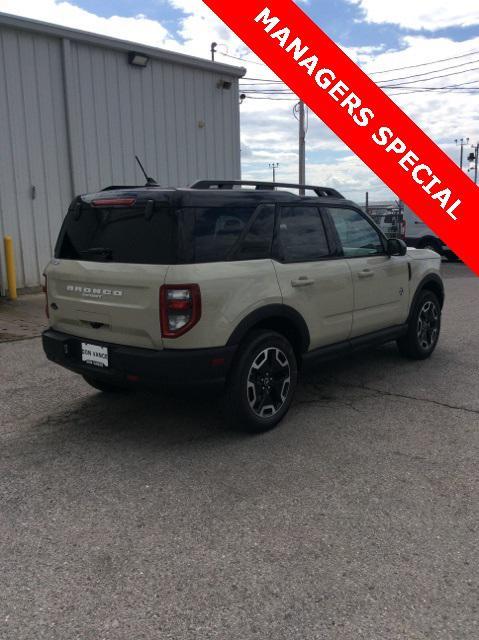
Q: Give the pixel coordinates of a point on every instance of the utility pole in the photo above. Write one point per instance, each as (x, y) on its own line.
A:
(367, 202)
(213, 50)
(274, 166)
(462, 144)
(302, 145)
(476, 163)
(474, 157)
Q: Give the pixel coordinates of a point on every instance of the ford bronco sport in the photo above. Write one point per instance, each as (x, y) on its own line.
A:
(232, 285)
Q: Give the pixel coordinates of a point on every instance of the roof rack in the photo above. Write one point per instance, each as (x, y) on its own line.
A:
(321, 192)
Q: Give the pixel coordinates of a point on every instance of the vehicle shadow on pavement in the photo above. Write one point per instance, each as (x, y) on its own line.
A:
(170, 417)
(376, 361)
(143, 418)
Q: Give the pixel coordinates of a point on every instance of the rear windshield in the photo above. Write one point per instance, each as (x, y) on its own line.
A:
(118, 235)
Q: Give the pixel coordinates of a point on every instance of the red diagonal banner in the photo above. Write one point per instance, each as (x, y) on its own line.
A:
(362, 115)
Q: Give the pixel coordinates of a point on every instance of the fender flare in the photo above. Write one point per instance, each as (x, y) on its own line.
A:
(431, 278)
(272, 312)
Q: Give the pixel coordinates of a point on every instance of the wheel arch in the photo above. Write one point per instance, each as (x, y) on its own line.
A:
(275, 317)
(433, 283)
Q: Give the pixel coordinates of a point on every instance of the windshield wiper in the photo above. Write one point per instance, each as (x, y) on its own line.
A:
(100, 252)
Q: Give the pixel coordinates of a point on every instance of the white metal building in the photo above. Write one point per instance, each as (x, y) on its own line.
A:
(74, 111)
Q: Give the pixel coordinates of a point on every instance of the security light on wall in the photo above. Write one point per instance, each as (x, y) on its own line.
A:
(137, 59)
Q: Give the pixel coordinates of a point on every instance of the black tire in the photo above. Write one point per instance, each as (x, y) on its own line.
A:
(262, 382)
(424, 328)
(432, 244)
(104, 385)
(452, 257)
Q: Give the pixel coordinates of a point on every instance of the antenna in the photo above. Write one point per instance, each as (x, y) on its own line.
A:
(149, 181)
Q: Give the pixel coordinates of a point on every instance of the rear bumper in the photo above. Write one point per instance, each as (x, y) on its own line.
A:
(142, 366)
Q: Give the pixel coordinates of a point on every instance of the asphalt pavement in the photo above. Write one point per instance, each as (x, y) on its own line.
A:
(143, 516)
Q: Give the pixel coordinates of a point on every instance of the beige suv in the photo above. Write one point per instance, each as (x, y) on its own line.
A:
(235, 283)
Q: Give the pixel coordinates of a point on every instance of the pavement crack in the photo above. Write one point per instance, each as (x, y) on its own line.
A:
(406, 397)
(327, 402)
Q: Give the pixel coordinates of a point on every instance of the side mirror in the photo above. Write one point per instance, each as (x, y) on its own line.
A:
(396, 247)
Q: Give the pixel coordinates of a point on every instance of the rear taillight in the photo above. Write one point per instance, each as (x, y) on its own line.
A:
(180, 308)
(45, 291)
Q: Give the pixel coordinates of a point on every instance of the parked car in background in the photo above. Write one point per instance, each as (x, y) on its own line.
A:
(418, 234)
(389, 219)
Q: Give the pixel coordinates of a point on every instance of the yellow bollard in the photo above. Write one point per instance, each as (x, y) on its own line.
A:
(11, 273)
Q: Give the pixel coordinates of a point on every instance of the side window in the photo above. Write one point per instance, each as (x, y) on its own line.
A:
(216, 231)
(358, 237)
(302, 235)
(256, 245)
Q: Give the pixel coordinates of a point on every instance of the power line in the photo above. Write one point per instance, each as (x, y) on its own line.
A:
(450, 89)
(447, 89)
(458, 90)
(269, 91)
(461, 86)
(438, 91)
(445, 86)
(227, 55)
(446, 75)
(273, 99)
(413, 66)
(409, 78)
(424, 64)
(264, 80)
(471, 91)
(261, 92)
(428, 73)
(458, 87)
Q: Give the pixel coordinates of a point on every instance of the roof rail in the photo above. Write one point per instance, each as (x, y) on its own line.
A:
(321, 192)
(118, 187)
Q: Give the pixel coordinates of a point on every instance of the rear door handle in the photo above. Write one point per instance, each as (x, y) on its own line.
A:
(303, 281)
(366, 273)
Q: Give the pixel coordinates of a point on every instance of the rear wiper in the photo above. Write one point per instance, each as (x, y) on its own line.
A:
(100, 252)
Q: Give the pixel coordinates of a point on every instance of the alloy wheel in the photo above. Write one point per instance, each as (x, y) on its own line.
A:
(268, 383)
(428, 325)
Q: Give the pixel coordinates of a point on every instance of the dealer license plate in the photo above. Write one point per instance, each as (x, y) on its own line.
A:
(95, 355)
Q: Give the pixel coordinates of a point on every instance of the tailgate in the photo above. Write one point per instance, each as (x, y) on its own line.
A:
(104, 301)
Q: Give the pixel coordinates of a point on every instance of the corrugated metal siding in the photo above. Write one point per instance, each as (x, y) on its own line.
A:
(33, 149)
(120, 111)
(171, 115)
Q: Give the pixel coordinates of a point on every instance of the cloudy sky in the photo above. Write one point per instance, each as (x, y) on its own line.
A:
(428, 49)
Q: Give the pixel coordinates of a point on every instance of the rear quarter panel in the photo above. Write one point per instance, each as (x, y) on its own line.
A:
(230, 291)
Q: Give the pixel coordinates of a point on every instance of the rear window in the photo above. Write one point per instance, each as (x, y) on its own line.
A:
(118, 235)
